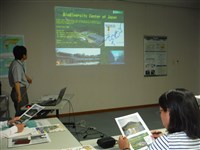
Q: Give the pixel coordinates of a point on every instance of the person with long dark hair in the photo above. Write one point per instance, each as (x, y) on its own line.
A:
(180, 115)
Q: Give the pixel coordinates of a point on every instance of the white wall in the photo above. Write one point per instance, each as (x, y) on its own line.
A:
(104, 87)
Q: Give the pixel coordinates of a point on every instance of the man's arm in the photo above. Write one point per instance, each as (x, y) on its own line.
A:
(17, 88)
(10, 131)
(28, 79)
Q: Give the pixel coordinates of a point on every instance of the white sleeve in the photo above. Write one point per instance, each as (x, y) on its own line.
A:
(8, 132)
(3, 124)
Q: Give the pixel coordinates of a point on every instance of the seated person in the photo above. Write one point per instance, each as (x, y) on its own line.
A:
(180, 115)
(13, 129)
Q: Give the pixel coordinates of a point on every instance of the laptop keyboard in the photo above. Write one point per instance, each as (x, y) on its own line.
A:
(48, 103)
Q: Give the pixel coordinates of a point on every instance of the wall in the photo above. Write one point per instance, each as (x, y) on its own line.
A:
(199, 55)
(104, 87)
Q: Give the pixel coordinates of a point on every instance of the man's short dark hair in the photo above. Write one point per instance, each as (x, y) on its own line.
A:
(19, 51)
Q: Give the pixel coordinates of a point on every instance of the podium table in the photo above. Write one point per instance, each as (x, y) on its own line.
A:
(57, 107)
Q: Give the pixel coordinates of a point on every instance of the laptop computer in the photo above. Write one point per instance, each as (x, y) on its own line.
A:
(54, 102)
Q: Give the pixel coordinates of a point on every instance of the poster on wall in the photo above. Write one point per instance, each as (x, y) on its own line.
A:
(7, 42)
(155, 56)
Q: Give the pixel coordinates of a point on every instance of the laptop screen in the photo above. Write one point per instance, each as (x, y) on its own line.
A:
(61, 94)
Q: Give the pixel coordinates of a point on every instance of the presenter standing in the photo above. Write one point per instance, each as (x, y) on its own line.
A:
(18, 79)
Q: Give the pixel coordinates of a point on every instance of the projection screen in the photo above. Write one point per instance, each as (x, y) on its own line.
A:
(87, 36)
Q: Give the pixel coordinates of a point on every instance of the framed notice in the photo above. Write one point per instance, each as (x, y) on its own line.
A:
(155, 56)
(7, 43)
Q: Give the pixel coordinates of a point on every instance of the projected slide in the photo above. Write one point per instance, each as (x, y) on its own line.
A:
(89, 36)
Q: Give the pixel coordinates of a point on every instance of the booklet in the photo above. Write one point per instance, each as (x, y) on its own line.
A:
(134, 128)
(85, 147)
(31, 112)
(28, 140)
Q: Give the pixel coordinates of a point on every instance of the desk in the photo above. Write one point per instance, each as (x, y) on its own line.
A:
(59, 106)
(56, 108)
(93, 142)
(59, 140)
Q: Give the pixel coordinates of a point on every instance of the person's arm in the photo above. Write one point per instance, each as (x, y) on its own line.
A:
(13, 120)
(3, 124)
(17, 88)
(14, 129)
(28, 79)
(123, 143)
(161, 141)
(10, 131)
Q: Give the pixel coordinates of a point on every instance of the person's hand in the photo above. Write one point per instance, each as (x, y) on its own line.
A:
(29, 80)
(20, 127)
(123, 143)
(19, 98)
(156, 134)
(13, 120)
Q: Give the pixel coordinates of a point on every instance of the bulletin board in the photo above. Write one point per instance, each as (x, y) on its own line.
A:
(155, 56)
(7, 43)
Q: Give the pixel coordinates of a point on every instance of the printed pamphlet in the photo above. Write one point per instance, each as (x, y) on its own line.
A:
(31, 112)
(134, 128)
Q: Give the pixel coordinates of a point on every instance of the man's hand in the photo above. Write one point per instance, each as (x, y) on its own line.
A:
(17, 88)
(20, 127)
(19, 98)
(13, 120)
(29, 79)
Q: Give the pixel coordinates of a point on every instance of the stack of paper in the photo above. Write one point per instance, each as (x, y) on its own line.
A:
(28, 140)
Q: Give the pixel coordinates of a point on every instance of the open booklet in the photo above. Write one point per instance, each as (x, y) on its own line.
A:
(134, 128)
(31, 112)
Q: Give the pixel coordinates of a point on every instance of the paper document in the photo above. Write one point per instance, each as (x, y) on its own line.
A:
(28, 140)
(50, 129)
(197, 96)
(31, 112)
(42, 122)
(133, 127)
(85, 147)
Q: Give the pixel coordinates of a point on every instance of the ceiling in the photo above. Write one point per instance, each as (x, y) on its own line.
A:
(194, 4)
